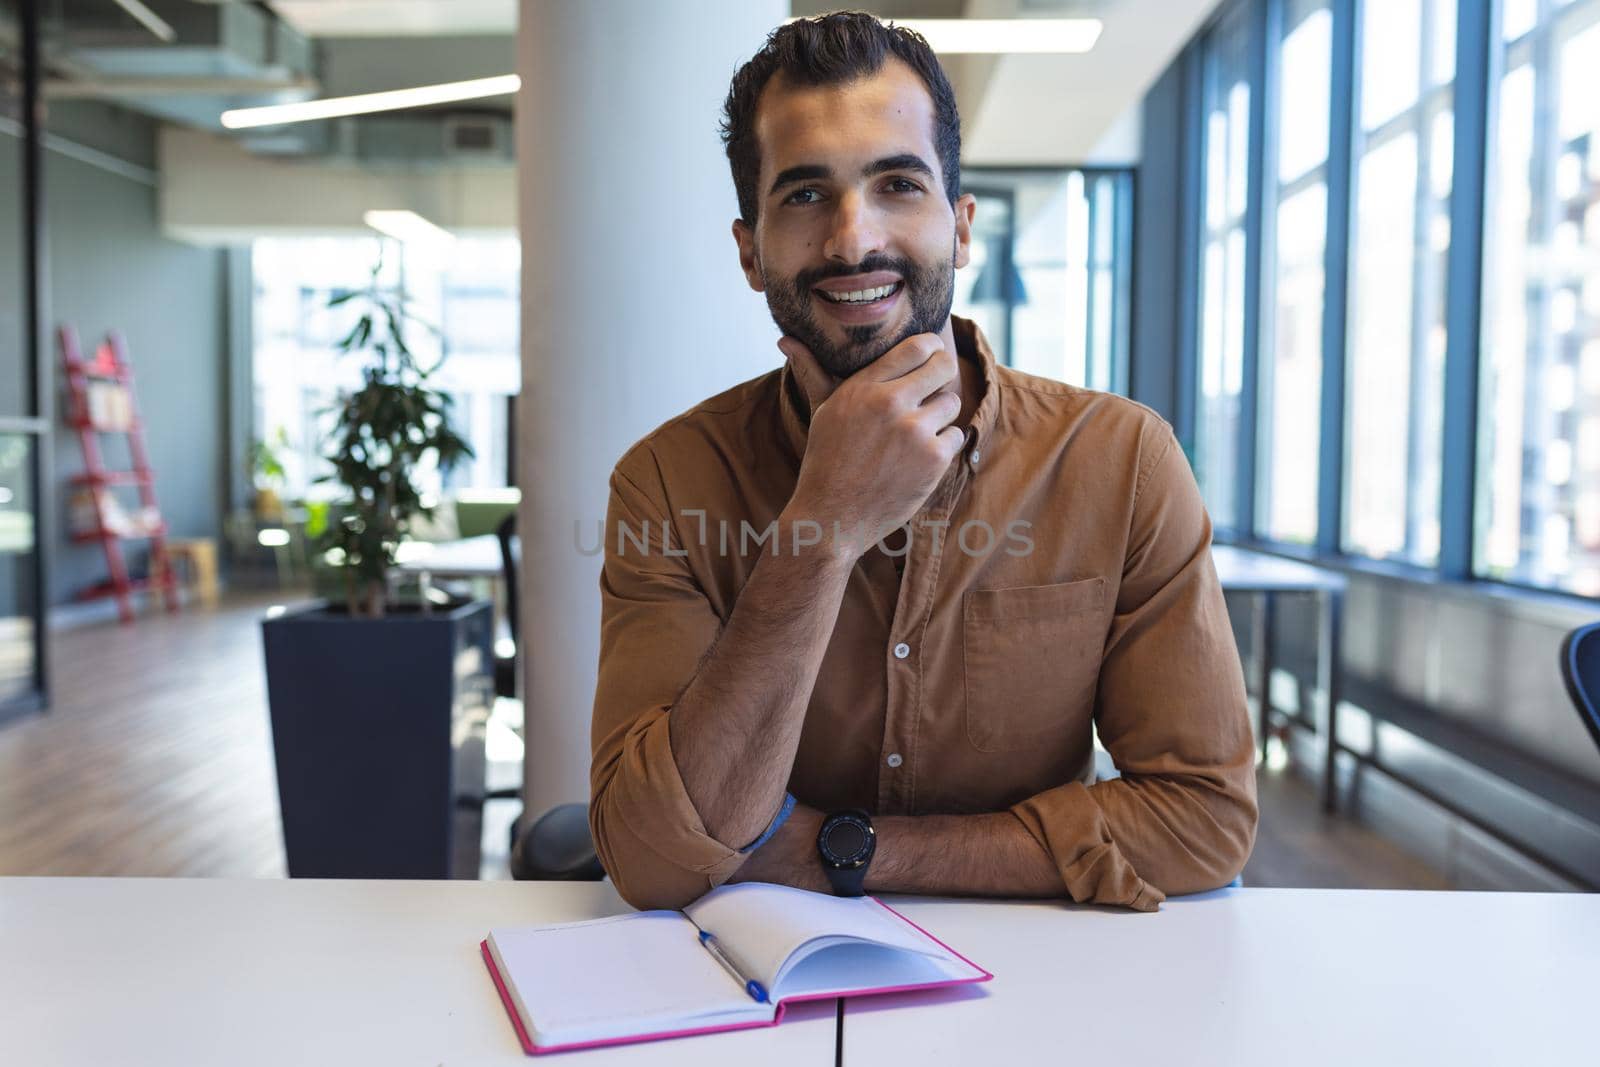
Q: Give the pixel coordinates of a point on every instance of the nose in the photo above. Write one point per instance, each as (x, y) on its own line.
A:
(856, 232)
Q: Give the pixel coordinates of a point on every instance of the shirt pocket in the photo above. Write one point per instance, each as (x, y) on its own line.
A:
(1031, 660)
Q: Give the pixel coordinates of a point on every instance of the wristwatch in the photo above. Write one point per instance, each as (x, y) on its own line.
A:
(845, 845)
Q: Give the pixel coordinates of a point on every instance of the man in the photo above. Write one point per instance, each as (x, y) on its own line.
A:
(863, 615)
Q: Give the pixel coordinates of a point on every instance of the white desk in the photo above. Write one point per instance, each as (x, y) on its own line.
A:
(1243, 571)
(1256, 977)
(469, 557)
(176, 973)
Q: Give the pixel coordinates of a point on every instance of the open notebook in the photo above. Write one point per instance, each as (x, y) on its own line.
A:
(730, 961)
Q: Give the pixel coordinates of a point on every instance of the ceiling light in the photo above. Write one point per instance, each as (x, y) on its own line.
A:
(407, 227)
(149, 20)
(366, 103)
(1006, 36)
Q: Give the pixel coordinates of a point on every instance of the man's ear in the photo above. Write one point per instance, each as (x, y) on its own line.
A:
(749, 260)
(966, 208)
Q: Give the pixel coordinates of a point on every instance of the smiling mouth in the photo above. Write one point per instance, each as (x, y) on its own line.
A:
(861, 297)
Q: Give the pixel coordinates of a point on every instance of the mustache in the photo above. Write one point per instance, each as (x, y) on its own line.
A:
(808, 279)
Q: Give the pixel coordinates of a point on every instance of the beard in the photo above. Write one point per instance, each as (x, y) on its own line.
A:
(929, 289)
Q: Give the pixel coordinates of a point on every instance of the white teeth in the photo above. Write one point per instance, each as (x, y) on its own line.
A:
(861, 296)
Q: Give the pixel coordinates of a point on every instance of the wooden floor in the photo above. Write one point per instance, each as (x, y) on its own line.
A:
(156, 760)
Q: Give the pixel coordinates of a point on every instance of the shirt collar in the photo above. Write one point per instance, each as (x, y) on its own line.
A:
(795, 408)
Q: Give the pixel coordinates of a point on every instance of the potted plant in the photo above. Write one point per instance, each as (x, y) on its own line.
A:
(375, 701)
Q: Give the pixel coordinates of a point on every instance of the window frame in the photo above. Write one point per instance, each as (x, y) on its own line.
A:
(1555, 23)
(1416, 117)
(1478, 65)
(1273, 193)
(1200, 234)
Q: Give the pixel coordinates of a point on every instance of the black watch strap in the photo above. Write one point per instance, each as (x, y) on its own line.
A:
(845, 846)
(846, 883)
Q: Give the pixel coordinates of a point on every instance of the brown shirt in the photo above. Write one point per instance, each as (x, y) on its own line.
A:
(1057, 583)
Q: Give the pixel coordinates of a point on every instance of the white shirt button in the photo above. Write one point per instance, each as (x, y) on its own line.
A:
(894, 759)
(902, 650)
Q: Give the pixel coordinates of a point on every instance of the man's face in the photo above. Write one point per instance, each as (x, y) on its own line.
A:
(855, 244)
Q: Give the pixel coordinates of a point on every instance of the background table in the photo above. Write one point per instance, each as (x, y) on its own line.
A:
(196, 972)
(1241, 570)
(469, 557)
(1255, 977)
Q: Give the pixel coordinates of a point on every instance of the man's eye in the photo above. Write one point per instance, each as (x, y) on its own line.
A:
(794, 197)
(905, 185)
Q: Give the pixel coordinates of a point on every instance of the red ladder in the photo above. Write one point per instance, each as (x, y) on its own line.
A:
(111, 373)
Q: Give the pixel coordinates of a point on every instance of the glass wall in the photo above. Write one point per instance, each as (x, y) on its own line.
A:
(1403, 149)
(1048, 279)
(14, 399)
(18, 564)
(1291, 337)
(1538, 491)
(1225, 134)
(467, 293)
(21, 431)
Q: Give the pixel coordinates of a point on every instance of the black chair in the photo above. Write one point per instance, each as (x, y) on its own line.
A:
(505, 667)
(557, 848)
(1580, 669)
(557, 845)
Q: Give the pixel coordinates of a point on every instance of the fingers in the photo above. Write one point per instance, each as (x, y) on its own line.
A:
(939, 410)
(951, 440)
(903, 358)
(939, 371)
(816, 383)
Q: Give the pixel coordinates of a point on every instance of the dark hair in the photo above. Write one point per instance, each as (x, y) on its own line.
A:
(828, 50)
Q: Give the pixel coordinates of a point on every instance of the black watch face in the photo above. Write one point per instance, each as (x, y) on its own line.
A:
(847, 842)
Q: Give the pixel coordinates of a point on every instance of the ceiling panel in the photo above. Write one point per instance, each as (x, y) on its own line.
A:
(398, 18)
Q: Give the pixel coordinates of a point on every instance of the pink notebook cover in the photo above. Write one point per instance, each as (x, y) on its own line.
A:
(534, 1050)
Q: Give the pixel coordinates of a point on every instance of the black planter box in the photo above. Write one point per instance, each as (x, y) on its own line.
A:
(376, 725)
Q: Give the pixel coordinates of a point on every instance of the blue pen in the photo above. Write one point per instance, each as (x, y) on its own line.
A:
(757, 992)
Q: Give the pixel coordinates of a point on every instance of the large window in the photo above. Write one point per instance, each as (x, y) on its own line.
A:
(1366, 121)
(1225, 133)
(1403, 150)
(1296, 219)
(1538, 491)
(467, 291)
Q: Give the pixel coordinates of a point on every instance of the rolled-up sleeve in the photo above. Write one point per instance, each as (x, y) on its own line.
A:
(656, 626)
(1171, 711)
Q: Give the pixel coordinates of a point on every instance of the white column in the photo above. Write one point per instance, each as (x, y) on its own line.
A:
(633, 305)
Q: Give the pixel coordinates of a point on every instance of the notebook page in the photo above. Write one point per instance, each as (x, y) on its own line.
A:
(853, 966)
(616, 977)
(762, 925)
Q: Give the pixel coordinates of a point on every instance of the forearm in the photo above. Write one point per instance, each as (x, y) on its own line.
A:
(960, 855)
(735, 729)
(945, 855)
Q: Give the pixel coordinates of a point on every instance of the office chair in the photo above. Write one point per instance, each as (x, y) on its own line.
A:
(505, 667)
(1580, 669)
(557, 847)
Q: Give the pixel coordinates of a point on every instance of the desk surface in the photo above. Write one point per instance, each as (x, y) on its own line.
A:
(1242, 570)
(1256, 976)
(189, 972)
(135, 971)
